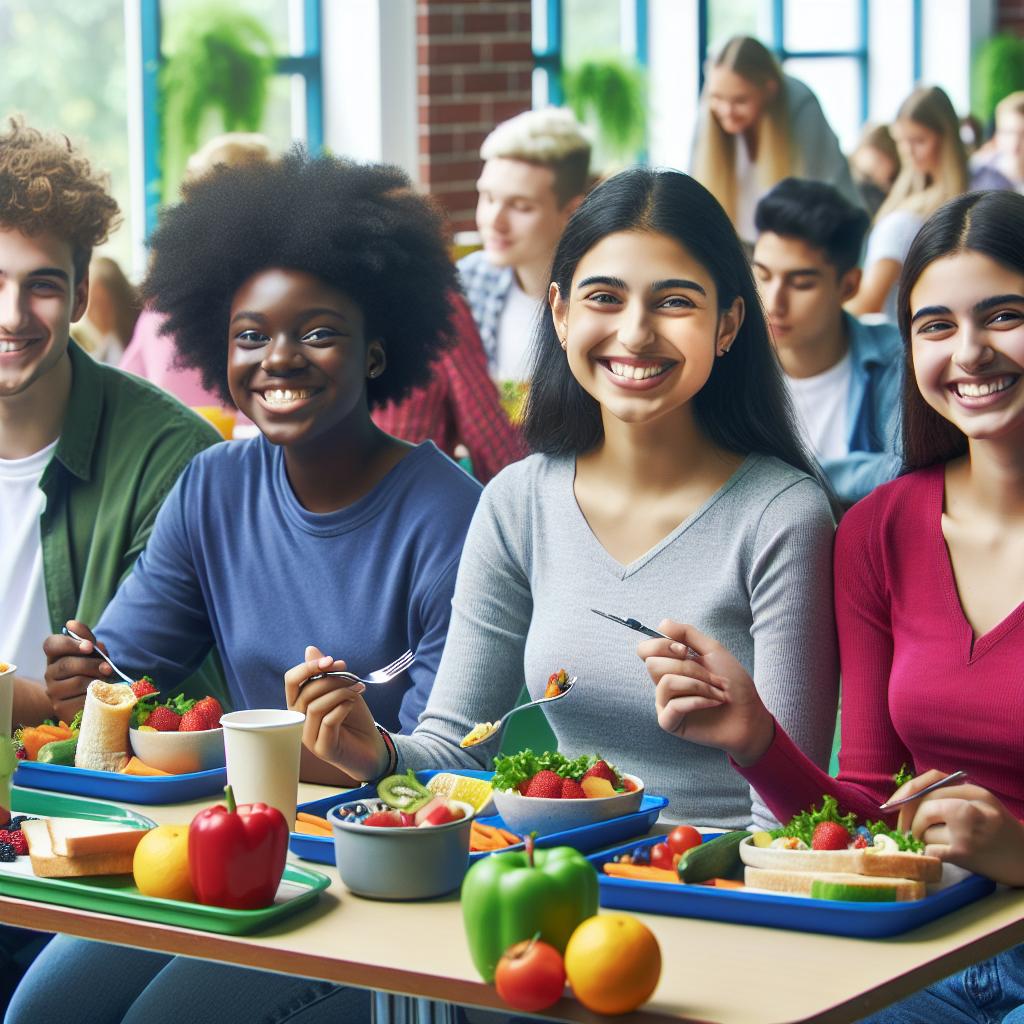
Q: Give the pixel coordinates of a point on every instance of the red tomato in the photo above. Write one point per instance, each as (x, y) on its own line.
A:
(682, 838)
(530, 976)
(661, 856)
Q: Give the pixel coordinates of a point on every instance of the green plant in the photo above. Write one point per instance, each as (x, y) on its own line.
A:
(220, 61)
(612, 94)
(998, 70)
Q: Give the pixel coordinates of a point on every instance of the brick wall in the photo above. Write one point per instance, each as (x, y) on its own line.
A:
(1010, 16)
(474, 69)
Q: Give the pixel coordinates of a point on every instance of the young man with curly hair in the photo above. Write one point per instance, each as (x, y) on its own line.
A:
(87, 454)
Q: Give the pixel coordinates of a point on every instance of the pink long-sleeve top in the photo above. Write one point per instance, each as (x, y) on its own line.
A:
(917, 686)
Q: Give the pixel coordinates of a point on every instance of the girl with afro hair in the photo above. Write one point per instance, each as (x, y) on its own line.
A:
(307, 291)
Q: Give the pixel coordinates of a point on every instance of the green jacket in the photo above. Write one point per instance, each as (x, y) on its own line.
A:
(122, 446)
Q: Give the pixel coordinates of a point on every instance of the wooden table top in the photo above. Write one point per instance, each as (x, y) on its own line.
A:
(711, 971)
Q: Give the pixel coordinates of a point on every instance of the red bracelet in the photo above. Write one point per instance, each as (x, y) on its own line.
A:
(392, 752)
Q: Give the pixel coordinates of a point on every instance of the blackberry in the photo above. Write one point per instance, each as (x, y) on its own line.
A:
(642, 855)
(8, 854)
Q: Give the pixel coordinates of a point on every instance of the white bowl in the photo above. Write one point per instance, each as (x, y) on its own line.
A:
(544, 815)
(180, 752)
(401, 863)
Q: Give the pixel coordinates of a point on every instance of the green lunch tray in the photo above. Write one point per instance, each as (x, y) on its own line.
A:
(117, 894)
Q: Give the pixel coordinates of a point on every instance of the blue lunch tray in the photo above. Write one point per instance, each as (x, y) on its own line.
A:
(796, 913)
(133, 789)
(585, 838)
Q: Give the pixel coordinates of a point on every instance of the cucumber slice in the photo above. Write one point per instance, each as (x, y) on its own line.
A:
(717, 858)
(404, 792)
(821, 890)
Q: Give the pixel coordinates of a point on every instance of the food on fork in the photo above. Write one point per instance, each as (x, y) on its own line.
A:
(106, 717)
(558, 683)
(480, 732)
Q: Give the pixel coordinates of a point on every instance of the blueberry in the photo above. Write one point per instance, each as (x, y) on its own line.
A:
(642, 855)
(863, 830)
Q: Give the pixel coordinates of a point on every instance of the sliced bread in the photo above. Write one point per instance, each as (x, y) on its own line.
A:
(869, 861)
(47, 864)
(77, 837)
(800, 883)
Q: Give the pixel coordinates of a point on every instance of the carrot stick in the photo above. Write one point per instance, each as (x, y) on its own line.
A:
(640, 872)
(314, 819)
(511, 838)
(308, 829)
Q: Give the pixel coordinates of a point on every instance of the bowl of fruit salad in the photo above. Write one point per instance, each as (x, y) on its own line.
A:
(406, 844)
(179, 735)
(549, 792)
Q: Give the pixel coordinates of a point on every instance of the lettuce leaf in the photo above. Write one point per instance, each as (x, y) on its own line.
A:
(511, 769)
(802, 826)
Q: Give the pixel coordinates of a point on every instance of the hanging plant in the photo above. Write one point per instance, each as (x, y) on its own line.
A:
(220, 61)
(610, 94)
(998, 70)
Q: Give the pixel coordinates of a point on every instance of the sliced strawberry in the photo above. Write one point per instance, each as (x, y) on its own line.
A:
(144, 687)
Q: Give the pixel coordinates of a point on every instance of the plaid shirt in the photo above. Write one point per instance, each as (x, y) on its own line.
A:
(486, 287)
(458, 406)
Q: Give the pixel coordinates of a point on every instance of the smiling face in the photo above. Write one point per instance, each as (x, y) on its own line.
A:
(736, 102)
(39, 299)
(967, 337)
(641, 325)
(517, 212)
(298, 357)
(918, 145)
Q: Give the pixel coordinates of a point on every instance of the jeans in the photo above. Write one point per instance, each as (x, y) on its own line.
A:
(96, 983)
(990, 992)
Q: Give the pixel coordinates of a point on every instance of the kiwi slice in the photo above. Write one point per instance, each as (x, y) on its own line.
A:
(404, 792)
(821, 890)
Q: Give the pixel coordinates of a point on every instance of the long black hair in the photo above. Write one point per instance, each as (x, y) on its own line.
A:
(990, 223)
(743, 407)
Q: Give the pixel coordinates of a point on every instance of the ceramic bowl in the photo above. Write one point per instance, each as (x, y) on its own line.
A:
(401, 863)
(524, 814)
(180, 752)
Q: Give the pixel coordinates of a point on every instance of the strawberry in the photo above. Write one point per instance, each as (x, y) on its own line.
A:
(163, 719)
(830, 835)
(205, 715)
(544, 784)
(17, 839)
(144, 687)
(602, 770)
(572, 790)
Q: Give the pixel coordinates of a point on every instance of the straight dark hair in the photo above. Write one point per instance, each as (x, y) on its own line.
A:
(989, 223)
(743, 407)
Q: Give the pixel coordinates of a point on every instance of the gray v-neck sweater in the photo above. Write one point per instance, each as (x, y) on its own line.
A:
(751, 568)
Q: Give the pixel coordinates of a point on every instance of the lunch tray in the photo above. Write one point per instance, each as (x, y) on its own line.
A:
(117, 894)
(585, 838)
(776, 910)
(132, 789)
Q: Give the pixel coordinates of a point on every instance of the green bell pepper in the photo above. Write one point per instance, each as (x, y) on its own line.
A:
(510, 897)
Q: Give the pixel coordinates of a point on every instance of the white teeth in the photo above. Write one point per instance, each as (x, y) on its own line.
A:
(636, 372)
(282, 396)
(967, 390)
(13, 346)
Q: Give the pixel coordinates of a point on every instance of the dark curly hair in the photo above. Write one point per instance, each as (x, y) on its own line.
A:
(46, 186)
(359, 227)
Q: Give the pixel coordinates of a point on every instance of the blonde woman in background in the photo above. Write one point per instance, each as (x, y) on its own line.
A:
(933, 170)
(757, 126)
(110, 317)
(875, 165)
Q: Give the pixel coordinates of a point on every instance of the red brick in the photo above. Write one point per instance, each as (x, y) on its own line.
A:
(501, 50)
(487, 22)
(439, 23)
(440, 82)
(485, 81)
(453, 53)
(509, 108)
(455, 113)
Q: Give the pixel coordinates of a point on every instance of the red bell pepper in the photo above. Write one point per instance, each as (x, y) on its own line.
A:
(236, 855)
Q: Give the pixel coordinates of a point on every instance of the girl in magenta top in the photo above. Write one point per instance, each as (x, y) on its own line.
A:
(929, 597)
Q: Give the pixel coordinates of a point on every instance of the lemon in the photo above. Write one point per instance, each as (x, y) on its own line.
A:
(476, 792)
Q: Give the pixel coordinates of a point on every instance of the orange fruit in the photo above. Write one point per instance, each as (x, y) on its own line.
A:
(613, 963)
(160, 865)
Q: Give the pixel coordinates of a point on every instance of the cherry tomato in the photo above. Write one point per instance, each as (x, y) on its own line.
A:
(530, 976)
(661, 856)
(683, 838)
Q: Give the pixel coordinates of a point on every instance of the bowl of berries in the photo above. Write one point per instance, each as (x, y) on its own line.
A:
(406, 844)
(549, 792)
(179, 735)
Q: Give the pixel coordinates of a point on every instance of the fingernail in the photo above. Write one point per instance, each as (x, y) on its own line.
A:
(678, 648)
(358, 687)
(325, 661)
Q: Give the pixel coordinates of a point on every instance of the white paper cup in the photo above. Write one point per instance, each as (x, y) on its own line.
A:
(263, 747)
(6, 698)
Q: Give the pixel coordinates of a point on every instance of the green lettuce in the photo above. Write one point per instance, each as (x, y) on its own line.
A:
(511, 769)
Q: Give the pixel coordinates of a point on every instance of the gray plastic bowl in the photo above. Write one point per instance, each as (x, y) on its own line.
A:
(401, 863)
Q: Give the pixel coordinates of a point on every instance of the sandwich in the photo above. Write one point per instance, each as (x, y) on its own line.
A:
(70, 848)
(106, 717)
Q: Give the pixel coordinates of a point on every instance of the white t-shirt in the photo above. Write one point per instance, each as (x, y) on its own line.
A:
(890, 239)
(515, 333)
(24, 618)
(821, 409)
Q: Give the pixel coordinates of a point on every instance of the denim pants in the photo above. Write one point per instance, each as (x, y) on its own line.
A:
(96, 983)
(990, 992)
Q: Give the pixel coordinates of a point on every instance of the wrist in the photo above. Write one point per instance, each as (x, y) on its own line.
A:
(761, 738)
(387, 760)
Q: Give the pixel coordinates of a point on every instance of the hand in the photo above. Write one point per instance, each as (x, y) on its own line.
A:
(339, 728)
(966, 825)
(70, 667)
(712, 702)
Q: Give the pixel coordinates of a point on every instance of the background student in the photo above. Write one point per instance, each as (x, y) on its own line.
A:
(669, 477)
(843, 376)
(929, 599)
(758, 125)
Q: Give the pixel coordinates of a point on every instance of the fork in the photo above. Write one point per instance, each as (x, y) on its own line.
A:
(497, 726)
(948, 780)
(377, 676)
(96, 647)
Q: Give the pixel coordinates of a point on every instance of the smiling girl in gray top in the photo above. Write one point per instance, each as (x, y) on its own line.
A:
(669, 484)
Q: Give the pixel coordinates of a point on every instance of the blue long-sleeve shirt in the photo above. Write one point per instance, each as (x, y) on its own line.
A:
(235, 561)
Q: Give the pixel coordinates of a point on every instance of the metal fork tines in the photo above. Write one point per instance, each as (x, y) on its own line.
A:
(378, 676)
(96, 647)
